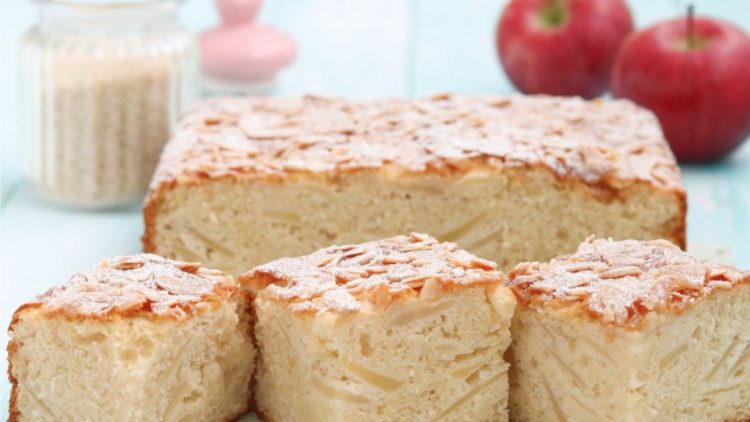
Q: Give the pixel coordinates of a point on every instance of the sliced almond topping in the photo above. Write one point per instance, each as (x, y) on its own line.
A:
(441, 96)
(416, 284)
(417, 280)
(735, 276)
(353, 252)
(481, 263)
(380, 296)
(579, 266)
(717, 273)
(501, 102)
(128, 265)
(397, 259)
(621, 272)
(189, 267)
(270, 133)
(432, 289)
(326, 260)
(375, 269)
(663, 243)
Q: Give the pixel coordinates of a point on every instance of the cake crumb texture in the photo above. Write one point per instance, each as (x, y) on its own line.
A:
(438, 358)
(692, 366)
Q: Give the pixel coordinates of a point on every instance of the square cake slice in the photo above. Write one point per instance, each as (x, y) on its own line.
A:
(491, 174)
(401, 329)
(137, 338)
(630, 331)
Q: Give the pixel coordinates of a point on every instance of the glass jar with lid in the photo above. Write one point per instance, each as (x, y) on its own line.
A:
(102, 83)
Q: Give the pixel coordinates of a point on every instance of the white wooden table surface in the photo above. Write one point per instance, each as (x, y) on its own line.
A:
(362, 48)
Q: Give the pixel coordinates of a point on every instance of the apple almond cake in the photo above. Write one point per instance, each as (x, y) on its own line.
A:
(510, 179)
(630, 331)
(403, 329)
(137, 338)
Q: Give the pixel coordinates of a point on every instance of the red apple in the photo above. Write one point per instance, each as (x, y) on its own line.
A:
(561, 47)
(696, 78)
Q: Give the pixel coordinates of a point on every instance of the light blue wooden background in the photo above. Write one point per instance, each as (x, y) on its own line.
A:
(358, 48)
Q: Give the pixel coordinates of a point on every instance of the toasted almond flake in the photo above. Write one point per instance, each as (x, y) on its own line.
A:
(416, 285)
(128, 265)
(484, 264)
(416, 279)
(380, 296)
(441, 96)
(280, 133)
(621, 272)
(375, 269)
(189, 267)
(325, 261)
(661, 243)
(715, 273)
(397, 259)
(579, 266)
(432, 289)
(353, 253)
(735, 276)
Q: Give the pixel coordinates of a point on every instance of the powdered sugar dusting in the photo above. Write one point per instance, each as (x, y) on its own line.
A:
(344, 278)
(620, 282)
(135, 283)
(602, 143)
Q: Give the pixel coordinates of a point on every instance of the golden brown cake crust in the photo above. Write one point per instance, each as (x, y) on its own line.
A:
(272, 138)
(619, 283)
(143, 284)
(343, 279)
(13, 414)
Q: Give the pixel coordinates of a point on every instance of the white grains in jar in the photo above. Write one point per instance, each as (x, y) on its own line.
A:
(102, 84)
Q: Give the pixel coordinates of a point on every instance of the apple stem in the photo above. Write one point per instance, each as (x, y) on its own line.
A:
(555, 13)
(691, 41)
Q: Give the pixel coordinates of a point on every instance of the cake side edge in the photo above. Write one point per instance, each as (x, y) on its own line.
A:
(604, 192)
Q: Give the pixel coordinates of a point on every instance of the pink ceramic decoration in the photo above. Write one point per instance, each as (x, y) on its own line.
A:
(241, 54)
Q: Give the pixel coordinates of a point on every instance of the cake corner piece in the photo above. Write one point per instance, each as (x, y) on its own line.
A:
(630, 330)
(144, 337)
(402, 328)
